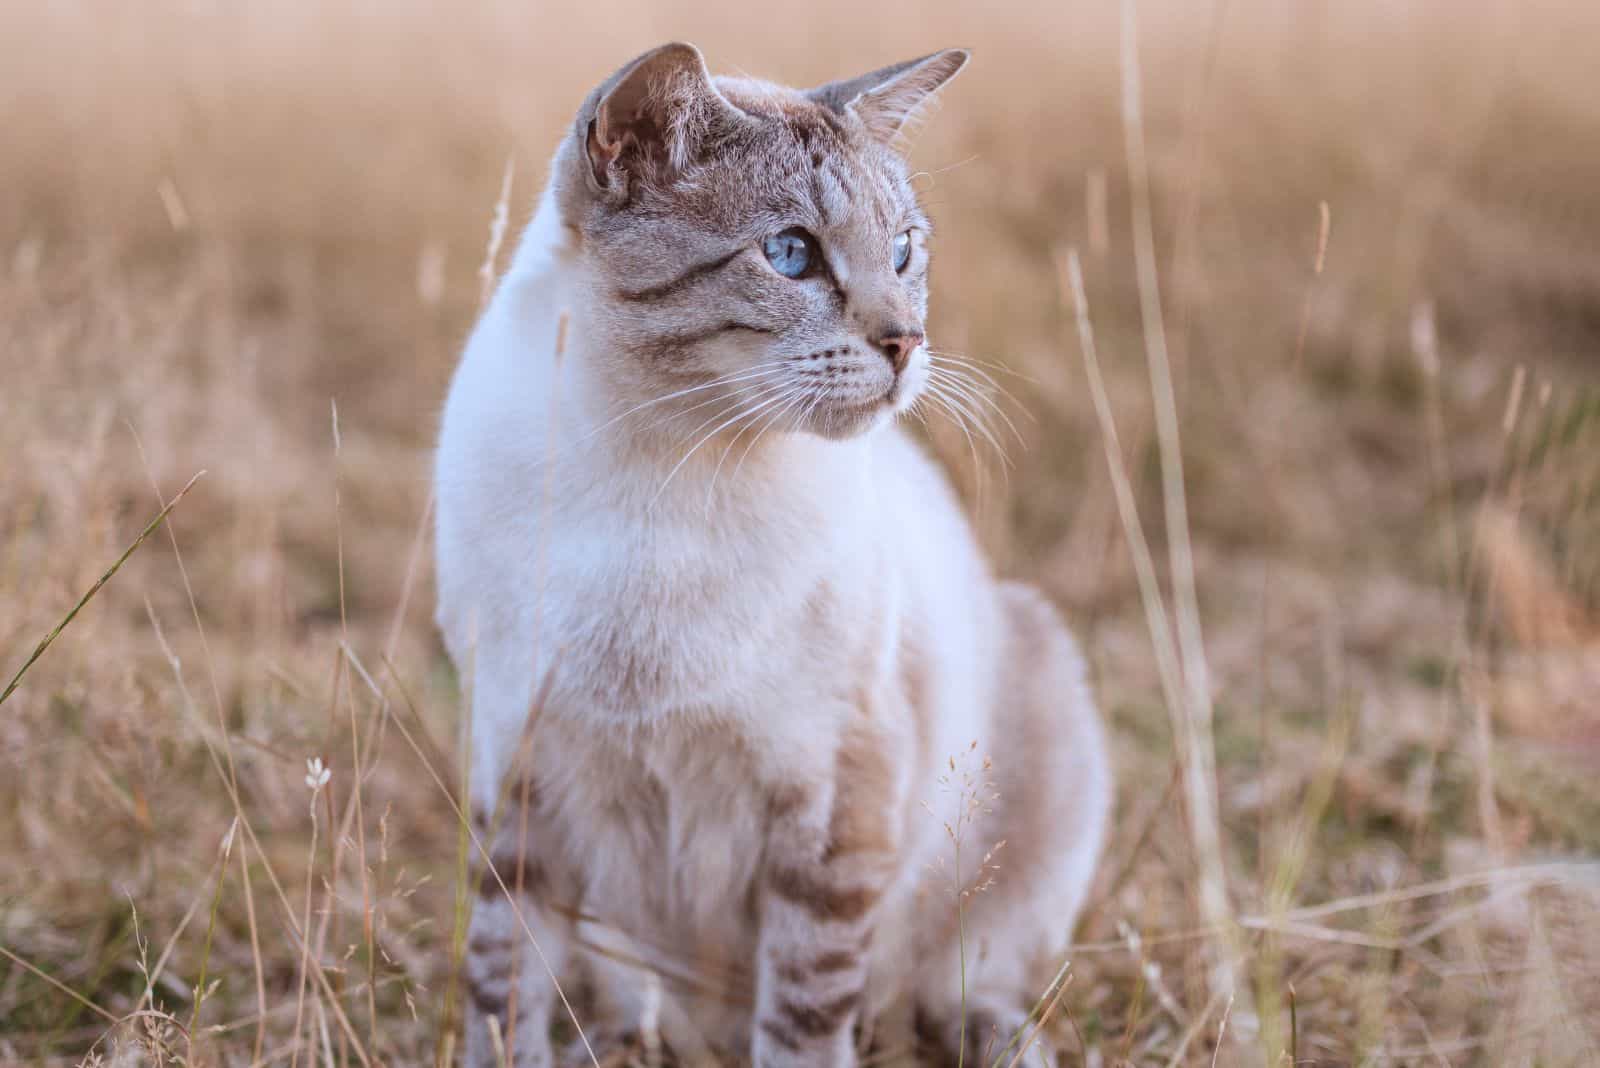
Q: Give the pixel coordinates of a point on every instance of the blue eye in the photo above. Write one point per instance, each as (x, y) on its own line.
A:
(791, 253)
(902, 251)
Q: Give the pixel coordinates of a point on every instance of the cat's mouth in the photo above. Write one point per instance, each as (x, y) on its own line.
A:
(855, 395)
(901, 390)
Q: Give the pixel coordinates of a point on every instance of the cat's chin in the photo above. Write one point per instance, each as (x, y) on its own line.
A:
(844, 421)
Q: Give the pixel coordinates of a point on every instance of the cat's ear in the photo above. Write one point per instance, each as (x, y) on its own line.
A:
(651, 117)
(886, 99)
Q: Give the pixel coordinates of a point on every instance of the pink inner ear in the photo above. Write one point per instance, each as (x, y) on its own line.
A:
(886, 108)
(628, 125)
(639, 134)
(601, 154)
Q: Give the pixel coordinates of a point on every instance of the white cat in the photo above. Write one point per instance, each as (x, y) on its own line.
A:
(747, 610)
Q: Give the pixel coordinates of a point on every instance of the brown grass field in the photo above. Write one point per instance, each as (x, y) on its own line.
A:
(1359, 820)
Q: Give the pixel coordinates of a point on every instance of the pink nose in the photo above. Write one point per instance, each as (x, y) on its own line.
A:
(898, 343)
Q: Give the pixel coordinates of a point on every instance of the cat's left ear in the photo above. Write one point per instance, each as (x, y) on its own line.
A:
(886, 99)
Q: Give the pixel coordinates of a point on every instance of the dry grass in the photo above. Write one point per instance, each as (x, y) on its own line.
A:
(217, 218)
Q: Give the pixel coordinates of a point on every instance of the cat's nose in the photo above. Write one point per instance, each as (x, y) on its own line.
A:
(897, 342)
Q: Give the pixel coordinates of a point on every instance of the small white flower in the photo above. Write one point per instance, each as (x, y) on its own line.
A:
(317, 776)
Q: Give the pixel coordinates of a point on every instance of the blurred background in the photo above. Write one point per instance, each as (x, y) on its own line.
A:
(1376, 236)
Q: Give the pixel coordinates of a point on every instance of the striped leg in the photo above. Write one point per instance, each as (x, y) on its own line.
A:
(830, 857)
(507, 979)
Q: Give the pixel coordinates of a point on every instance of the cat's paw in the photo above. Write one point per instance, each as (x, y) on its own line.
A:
(611, 1047)
(995, 1036)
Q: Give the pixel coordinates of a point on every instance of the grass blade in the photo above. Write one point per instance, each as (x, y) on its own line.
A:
(149, 529)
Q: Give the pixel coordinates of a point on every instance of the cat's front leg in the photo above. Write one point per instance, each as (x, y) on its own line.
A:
(519, 935)
(517, 943)
(832, 850)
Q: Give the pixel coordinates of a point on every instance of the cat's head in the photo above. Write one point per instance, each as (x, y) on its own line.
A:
(758, 245)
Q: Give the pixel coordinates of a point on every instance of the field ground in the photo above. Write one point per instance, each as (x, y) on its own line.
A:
(1376, 230)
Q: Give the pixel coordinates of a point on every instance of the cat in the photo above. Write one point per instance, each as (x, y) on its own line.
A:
(734, 658)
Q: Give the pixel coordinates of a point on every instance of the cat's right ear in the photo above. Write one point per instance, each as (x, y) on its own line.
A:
(649, 119)
(885, 100)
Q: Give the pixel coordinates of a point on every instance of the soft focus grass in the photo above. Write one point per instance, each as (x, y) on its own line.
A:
(220, 219)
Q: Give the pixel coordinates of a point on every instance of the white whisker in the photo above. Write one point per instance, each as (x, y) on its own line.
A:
(742, 392)
(978, 396)
(771, 421)
(742, 375)
(936, 394)
(735, 401)
(992, 365)
(697, 445)
(782, 398)
(960, 395)
(914, 409)
(972, 391)
(950, 362)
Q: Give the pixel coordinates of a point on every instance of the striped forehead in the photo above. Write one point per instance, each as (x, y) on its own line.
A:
(852, 183)
(849, 195)
(821, 161)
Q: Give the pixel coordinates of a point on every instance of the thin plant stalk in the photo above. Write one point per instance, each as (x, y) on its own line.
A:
(1196, 736)
(305, 941)
(72, 614)
(961, 951)
(211, 927)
